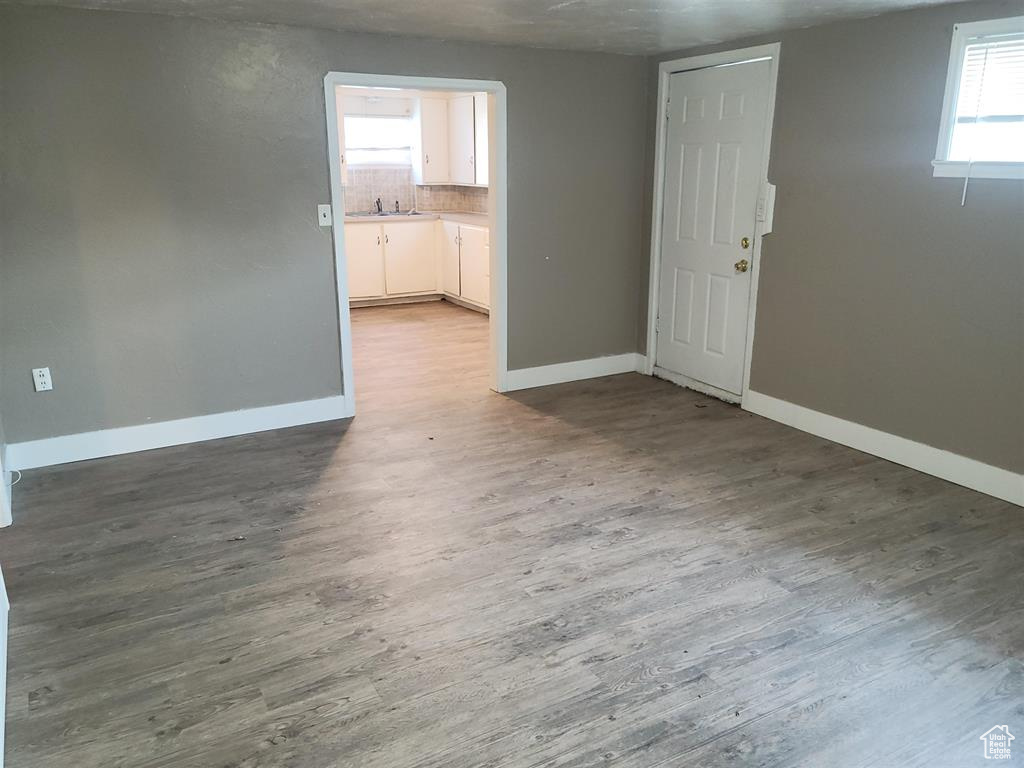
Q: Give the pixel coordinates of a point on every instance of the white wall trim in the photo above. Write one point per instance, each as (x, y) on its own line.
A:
(498, 173)
(961, 470)
(963, 35)
(577, 370)
(5, 493)
(665, 70)
(145, 437)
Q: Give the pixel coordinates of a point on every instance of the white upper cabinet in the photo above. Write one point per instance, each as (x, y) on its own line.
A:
(461, 140)
(430, 157)
(339, 106)
(480, 101)
(451, 136)
(410, 265)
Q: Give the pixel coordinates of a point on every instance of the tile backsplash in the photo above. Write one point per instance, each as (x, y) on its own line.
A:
(452, 198)
(365, 185)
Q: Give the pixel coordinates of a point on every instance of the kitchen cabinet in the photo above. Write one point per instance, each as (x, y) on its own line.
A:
(364, 255)
(449, 248)
(410, 265)
(475, 264)
(390, 259)
(418, 257)
(480, 110)
(340, 112)
(461, 140)
(430, 156)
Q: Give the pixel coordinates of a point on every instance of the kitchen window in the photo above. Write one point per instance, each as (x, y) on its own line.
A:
(378, 140)
(982, 129)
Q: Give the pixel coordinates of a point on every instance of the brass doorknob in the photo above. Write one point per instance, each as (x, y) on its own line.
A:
(744, 242)
(742, 265)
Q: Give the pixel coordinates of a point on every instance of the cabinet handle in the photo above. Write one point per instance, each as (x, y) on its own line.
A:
(378, 239)
(426, 159)
(386, 239)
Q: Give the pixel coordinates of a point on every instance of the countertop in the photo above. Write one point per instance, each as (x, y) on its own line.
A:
(476, 219)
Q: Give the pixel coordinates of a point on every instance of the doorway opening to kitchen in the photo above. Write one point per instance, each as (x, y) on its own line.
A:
(418, 191)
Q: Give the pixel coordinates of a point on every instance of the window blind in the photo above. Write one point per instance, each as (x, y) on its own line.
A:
(989, 124)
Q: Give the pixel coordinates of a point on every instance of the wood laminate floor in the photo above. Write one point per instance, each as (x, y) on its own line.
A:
(617, 572)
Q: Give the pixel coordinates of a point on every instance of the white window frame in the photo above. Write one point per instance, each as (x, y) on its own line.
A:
(963, 35)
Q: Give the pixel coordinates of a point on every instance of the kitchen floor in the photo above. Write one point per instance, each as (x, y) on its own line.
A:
(403, 353)
(612, 572)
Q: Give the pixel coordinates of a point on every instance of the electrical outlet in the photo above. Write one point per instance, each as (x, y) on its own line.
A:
(41, 379)
(324, 215)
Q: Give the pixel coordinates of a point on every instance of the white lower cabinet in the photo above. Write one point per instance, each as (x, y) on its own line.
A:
(364, 252)
(390, 259)
(410, 265)
(408, 258)
(475, 266)
(450, 278)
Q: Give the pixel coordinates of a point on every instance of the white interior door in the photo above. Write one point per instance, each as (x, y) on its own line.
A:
(714, 148)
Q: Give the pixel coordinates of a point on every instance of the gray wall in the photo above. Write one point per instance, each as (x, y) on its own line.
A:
(160, 179)
(881, 300)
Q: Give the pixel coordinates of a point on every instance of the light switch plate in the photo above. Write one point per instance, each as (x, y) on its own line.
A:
(41, 379)
(324, 215)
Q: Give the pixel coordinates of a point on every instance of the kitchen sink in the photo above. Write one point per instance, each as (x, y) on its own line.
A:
(385, 214)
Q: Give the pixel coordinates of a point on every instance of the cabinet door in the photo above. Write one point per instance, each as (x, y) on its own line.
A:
(475, 267)
(433, 141)
(461, 152)
(340, 107)
(450, 258)
(480, 127)
(364, 256)
(409, 262)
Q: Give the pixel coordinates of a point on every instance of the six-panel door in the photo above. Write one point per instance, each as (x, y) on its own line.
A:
(714, 147)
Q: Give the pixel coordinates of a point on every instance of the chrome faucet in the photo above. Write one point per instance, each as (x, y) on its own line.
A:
(380, 206)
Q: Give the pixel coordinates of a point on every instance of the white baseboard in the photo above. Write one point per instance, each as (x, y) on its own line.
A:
(5, 495)
(961, 470)
(145, 437)
(541, 376)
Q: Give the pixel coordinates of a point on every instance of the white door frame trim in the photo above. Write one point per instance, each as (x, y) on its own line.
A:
(498, 160)
(665, 71)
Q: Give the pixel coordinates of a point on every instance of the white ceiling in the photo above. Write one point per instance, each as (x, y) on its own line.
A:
(622, 26)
